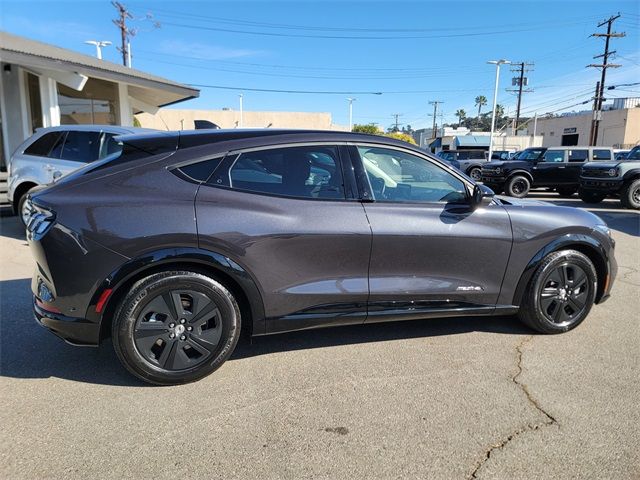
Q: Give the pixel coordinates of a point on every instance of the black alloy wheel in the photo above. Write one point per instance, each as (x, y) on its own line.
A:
(176, 327)
(561, 292)
(518, 186)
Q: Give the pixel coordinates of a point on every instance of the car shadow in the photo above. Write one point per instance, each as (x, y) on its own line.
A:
(29, 351)
(12, 228)
(617, 218)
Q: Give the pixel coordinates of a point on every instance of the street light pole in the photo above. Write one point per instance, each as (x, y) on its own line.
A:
(241, 112)
(351, 100)
(497, 63)
(98, 45)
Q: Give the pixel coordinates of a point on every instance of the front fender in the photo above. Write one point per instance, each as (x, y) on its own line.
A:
(520, 172)
(153, 261)
(601, 257)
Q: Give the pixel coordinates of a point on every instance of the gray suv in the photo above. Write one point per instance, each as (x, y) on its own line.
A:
(182, 240)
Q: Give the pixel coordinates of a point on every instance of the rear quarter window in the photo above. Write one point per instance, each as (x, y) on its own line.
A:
(578, 155)
(44, 146)
(200, 171)
(602, 154)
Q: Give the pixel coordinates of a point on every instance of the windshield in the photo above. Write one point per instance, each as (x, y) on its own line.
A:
(531, 154)
(634, 154)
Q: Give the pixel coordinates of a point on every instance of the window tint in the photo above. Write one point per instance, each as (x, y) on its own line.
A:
(401, 177)
(578, 155)
(108, 145)
(634, 154)
(531, 154)
(81, 147)
(43, 146)
(602, 154)
(312, 172)
(556, 156)
(201, 171)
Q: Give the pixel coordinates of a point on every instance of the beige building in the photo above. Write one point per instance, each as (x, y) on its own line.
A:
(618, 129)
(177, 119)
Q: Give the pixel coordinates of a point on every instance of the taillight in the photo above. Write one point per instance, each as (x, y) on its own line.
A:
(39, 221)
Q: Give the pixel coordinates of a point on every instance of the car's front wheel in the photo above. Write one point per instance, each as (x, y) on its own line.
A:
(630, 195)
(176, 327)
(561, 292)
(475, 173)
(517, 186)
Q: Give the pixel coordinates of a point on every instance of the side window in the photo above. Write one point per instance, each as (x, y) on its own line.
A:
(108, 145)
(578, 155)
(602, 154)
(397, 176)
(553, 156)
(201, 171)
(310, 172)
(44, 146)
(81, 147)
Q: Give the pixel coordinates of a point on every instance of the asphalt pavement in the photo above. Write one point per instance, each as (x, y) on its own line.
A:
(451, 398)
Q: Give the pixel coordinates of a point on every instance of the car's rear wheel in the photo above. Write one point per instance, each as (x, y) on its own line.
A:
(23, 208)
(518, 186)
(630, 195)
(588, 196)
(561, 292)
(566, 191)
(475, 173)
(176, 327)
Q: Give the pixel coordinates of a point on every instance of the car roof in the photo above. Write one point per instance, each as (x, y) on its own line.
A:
(195, 138)
(93, 127)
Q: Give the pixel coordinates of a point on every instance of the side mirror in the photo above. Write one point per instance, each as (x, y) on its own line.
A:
(481, 196)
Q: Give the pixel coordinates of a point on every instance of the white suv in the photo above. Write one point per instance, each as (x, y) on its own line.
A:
(55, 151)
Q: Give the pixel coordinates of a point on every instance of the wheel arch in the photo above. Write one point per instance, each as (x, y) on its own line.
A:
(212, 264)
(579, 242)
(22, 188)
(524, 173)
(631, 175)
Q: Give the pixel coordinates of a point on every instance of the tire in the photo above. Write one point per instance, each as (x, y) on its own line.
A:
(153, 334)
(560, 294)
(591, 197)
(517, 186)
(630, 195)
(566, 191)
(22, 215)
(475, 173)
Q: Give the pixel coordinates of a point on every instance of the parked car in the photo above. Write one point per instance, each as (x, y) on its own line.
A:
(553, 167)
(53, 152)
(185, 239)
(470, 161)
(619, 178)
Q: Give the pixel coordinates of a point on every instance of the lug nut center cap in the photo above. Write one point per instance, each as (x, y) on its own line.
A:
(179, 330)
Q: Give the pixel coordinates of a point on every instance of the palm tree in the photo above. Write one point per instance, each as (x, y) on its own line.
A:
(481, 101)
(460, 113)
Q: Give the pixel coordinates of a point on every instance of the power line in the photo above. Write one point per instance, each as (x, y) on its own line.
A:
(597, 104)
(271, 90)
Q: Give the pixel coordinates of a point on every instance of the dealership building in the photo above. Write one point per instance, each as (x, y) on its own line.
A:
(42, 85)
(619, 126)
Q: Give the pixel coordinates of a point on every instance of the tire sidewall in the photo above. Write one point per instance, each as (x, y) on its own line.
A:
(144, 292)
(627, 195)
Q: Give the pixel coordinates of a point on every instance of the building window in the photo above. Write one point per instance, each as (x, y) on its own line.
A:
(35, 101)
(95, 104)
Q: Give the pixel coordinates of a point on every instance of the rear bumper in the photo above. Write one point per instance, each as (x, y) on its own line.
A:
(76, 331)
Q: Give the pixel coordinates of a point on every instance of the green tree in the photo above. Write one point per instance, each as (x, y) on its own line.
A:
(461, 114)
(371, 129)
(499, 111)
(136, 122)
(481, 101)
(401, 136)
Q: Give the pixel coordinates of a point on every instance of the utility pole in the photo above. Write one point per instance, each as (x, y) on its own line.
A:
(125, 32)
(435, 104)
(520, 81)
(396, 115)
(351, 100)
(597, 105)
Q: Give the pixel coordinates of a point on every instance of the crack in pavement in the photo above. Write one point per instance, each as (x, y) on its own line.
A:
(549, 419)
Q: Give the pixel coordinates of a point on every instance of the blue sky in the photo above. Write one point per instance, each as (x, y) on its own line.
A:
(413, 52)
